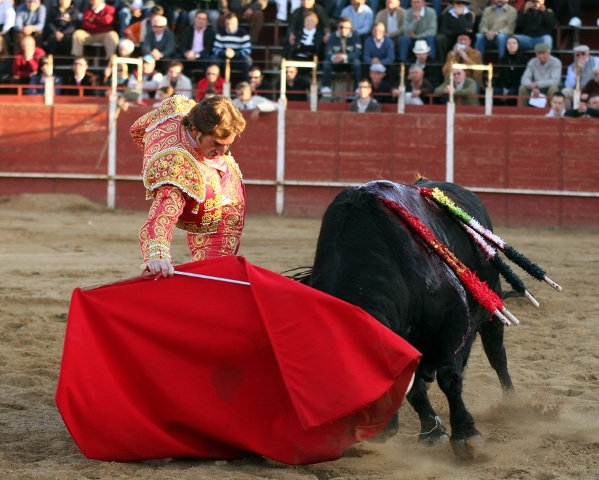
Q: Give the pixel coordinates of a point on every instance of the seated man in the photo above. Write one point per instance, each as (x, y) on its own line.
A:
(557, 105)
(393, 18)
(364, 102)
(259, 84)
(233, 42)
(589, 108)
(250, 11)
(160, 41)
(150, 80)
(176, 79)
(245, 100)
(30, 20)
(343, 52)
(361, 17)
(378, 48)
(381, 90)
(81, 77)
(462, 52)
(535, 24)
(297, 86)
(580, 72)
(26, 60)
(431, 71)
(211, 82)
(7, 22)
(418, 88)
(592, 86)
(542, 75)
(44, 72)
(97, 25)
(197, 40)
(456, 19)
(464, 92)
(420, 24)
(496, 25)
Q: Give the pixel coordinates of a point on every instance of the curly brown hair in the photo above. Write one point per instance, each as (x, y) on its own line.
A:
(216, 116)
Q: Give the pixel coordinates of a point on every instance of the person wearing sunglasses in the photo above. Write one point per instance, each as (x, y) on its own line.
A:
(580, 71)
(343, 52)
(260, 86)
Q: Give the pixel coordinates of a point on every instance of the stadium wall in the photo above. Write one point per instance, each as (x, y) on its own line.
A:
(528, 170)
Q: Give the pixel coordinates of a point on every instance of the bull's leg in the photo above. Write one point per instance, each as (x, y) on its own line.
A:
(466, 440)
(432, 431)
(491, 335)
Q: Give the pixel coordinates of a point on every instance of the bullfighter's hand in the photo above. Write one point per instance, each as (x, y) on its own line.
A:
(158, 267)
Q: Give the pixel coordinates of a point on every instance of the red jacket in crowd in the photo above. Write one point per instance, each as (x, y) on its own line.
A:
(100, 22)
(23, 68)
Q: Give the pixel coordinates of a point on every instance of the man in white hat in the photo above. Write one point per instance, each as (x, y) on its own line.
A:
(431, 72)
(582, 69)
(160, 41)
(420, 24)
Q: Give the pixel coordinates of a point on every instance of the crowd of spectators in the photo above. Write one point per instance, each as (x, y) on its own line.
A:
(185, 43)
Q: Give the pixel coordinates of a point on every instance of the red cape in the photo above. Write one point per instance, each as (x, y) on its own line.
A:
(189, 367)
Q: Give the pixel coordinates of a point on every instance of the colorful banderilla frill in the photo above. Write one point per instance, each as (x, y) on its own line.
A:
(485, 239)
(479, 289)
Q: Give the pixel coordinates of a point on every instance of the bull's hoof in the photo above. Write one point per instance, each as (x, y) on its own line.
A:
(468, 448)
(433, 440)
(433, 435)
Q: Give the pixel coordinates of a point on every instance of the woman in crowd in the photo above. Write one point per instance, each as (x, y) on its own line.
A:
(511, 67)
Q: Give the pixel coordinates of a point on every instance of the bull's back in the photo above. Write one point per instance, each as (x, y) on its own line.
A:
(368, 257)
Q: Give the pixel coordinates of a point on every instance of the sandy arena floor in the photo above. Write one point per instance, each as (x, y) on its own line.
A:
(50, 244)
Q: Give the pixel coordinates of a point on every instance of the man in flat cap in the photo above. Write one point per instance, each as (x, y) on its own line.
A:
(542, 75)
(579, 71)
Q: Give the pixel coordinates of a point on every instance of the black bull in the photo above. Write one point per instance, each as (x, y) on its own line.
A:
(368, 257)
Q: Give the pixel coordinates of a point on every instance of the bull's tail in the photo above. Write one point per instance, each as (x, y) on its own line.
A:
(299, 274)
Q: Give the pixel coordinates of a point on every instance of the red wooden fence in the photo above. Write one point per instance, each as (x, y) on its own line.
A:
(499, 156)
